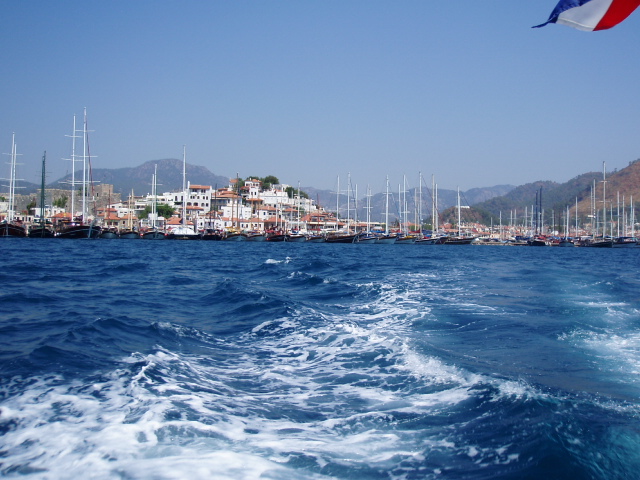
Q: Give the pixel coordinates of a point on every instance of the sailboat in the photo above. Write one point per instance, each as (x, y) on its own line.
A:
(602, 242)
(80, 229)
(154, 233)
(566, 241)
(386, 237)
(42, 231)
(183, 232)
(130, 233)
(9, 228)
(404, 237)
(234, 234)
(460, 239)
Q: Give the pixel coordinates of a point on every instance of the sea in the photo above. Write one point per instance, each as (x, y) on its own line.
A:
(123, 359)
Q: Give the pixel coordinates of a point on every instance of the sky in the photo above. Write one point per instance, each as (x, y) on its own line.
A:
(316, 91)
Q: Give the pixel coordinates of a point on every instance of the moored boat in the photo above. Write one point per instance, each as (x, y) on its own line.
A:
(256, 237)
(276, 236)
(296, 238)
(212, 234)
(566, 242)
(9, 228)
(597, 243)
(183, 231)
(234, 236)
(316, 238)
(41, 232)
(427, 241)
(109, 233)
(129, 234)
(388, 239)
(154, 235)
(79, 230)
(366, 238)
(459, 240)
(406, 239)
(12, 230)
(537, 241)
(625, 242)
(341, 238)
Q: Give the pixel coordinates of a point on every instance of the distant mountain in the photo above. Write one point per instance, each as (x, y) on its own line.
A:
(138, 178)
(446, 199)
(556, 197)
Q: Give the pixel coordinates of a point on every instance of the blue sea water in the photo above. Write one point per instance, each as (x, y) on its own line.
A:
(215, 360)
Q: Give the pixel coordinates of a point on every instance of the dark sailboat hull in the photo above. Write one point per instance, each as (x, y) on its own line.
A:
(80, 231)
(41, 232)
(12, 230)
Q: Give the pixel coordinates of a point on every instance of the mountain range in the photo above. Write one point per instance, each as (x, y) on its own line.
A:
(487, 202)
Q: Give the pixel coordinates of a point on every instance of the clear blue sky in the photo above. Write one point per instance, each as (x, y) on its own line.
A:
(312, 90)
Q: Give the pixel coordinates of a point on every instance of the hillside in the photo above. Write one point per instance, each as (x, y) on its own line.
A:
(139, 178)
(557, 197)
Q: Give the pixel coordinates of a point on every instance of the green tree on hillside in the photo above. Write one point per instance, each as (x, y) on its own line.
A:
(164, 210)
(61, 202)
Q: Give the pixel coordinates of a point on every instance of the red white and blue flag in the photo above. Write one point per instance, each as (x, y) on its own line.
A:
(591, 15)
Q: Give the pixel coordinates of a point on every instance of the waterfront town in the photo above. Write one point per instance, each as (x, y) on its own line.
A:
(254, 211)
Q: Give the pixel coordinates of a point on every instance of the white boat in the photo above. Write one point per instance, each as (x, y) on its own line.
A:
(154, 233)
(10, 228)
(183, 231)
(386, 237)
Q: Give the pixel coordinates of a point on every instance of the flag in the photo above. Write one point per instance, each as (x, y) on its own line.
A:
(591, 15)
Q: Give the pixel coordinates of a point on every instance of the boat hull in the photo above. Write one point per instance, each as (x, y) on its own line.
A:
(277, 237)
(41, 232)
(297, 238)
(80, 231)
(406, 240)
(316, 239)
(388, 239)
(235, 237)
(108, 234)
(625, 242)
(341, 239)
(12, 230)
(129, 235)
(155, 235)
(459, 240)
(427, 241)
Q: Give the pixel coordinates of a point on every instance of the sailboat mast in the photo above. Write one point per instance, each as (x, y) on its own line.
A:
(73, 168)
(338, 204)
(386, 210)
(433, 205)
(419, 222)
(459, 216)
(42, 193)
(604, 199)
(84, 167)
(12, 179)
(154, 191)
(436, 208)
(184, 185)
